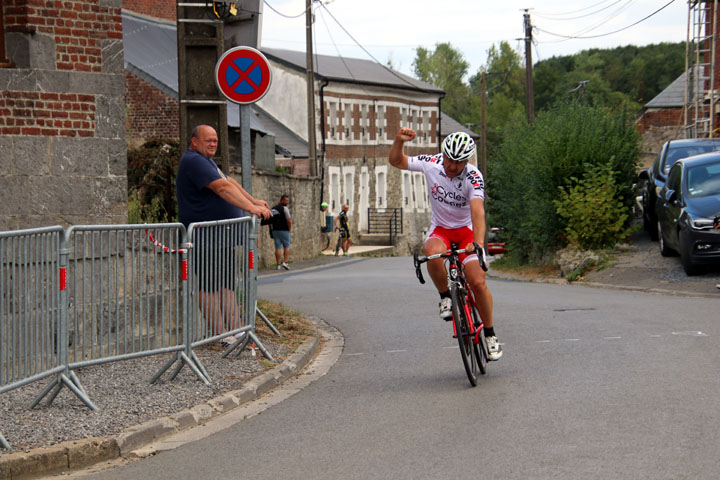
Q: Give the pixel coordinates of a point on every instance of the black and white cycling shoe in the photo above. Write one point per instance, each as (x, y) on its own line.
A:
(446, 308)
(494, 348)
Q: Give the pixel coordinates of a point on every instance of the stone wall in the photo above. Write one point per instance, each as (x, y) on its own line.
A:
(62, 115)
(304, 193)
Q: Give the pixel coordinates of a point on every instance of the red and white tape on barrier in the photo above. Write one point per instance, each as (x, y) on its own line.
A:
(163, 247)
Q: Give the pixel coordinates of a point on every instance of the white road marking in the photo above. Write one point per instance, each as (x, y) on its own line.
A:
(354, 354)
(572, 339)
(396, 351)
(611, 338)
(691, 334)
(543, 341)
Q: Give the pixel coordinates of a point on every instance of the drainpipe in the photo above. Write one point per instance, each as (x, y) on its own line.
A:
(4, 62)
(322, 130)
(439, 123)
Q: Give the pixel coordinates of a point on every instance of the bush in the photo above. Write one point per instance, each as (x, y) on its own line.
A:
(593, 210)
(151, 182)
(535, 160)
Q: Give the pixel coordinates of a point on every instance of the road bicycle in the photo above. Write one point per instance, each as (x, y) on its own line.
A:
(467, 324)
(324, 239)
(339, 243)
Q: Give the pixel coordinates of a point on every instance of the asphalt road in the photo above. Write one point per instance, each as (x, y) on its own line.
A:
(594, 384)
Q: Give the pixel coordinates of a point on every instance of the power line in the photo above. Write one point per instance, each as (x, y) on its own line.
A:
(573, 11)
(609, 33)
(579, 16)
(614, 14)
(282, 14)
(364, 49)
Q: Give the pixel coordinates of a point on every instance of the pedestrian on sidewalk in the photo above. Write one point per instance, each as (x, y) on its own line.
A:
(280, 232)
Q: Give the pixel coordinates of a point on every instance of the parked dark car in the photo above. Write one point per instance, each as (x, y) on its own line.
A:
(653, 179)
(688, 211)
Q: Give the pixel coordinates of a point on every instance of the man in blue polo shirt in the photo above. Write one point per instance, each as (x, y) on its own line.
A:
(205, 193)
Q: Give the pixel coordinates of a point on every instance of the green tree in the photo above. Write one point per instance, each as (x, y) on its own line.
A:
(445, 67)
(534, 161)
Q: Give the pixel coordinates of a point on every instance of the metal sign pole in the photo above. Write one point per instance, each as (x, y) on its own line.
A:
(246, 159)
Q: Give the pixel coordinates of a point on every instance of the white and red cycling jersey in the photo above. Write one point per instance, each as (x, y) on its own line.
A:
(449, 197)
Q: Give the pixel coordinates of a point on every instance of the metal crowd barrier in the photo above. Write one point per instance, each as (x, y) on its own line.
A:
(94, 294)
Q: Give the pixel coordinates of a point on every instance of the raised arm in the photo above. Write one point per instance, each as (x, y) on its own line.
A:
(397, 156)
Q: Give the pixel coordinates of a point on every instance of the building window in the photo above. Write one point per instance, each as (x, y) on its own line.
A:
(347, 120)
(349, 187)
(333, 119)
(381, 186)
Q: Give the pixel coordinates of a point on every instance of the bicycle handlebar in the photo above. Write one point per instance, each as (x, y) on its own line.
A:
(419, 260)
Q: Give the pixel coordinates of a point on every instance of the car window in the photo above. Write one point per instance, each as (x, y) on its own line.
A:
(703, 180)
(675, 154)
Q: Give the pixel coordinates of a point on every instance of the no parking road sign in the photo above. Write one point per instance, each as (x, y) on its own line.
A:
(243, 75)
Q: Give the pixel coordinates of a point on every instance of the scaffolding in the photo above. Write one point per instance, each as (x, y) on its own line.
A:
(701, 93)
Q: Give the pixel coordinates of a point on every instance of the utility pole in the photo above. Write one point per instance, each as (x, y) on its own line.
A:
(483, 124)
(530, 97)
(312, 144)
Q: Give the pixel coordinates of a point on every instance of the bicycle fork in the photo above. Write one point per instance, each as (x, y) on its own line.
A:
(464, 297)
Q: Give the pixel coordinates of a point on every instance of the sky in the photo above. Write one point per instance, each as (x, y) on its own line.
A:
(391, 30)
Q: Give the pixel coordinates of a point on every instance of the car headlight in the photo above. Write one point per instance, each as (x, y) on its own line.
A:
(700, 223)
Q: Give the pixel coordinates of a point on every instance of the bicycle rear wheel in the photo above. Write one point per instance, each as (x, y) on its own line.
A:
(324, 241)
(338, 244)
(465, 340)
(480, 348)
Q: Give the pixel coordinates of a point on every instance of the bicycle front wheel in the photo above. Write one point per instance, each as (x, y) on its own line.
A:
(480, 348)
(465, 339)
(324, 241)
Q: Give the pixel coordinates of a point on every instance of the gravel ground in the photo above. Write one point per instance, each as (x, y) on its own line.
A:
(124, 396)
(640, 265)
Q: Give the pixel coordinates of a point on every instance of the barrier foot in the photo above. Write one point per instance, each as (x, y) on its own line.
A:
(199, 364)
(239, 345)
(4, 443)
(78, 391)
(259, 345)
(182, 359)
(54, 387)
(267, 322)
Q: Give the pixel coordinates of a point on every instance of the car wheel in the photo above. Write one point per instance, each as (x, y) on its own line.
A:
(686, 258)
(665, 251)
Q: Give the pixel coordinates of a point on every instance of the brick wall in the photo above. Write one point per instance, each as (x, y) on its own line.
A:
(62, 114)
(150, 113)
(659, 117)
(165, 10)
(77, 28)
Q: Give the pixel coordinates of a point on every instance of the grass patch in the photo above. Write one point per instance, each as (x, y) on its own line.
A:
(508, 264)
(293, 326)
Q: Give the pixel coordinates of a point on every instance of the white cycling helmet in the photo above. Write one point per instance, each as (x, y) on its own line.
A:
(458, 146)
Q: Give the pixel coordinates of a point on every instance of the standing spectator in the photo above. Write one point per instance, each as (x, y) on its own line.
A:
(344, 227)
(205, 193)
(327, 219)
(281, 225)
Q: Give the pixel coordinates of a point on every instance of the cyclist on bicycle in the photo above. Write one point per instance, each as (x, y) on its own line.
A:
(457, 195)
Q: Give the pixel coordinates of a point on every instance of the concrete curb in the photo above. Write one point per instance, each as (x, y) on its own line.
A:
(76, 454)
